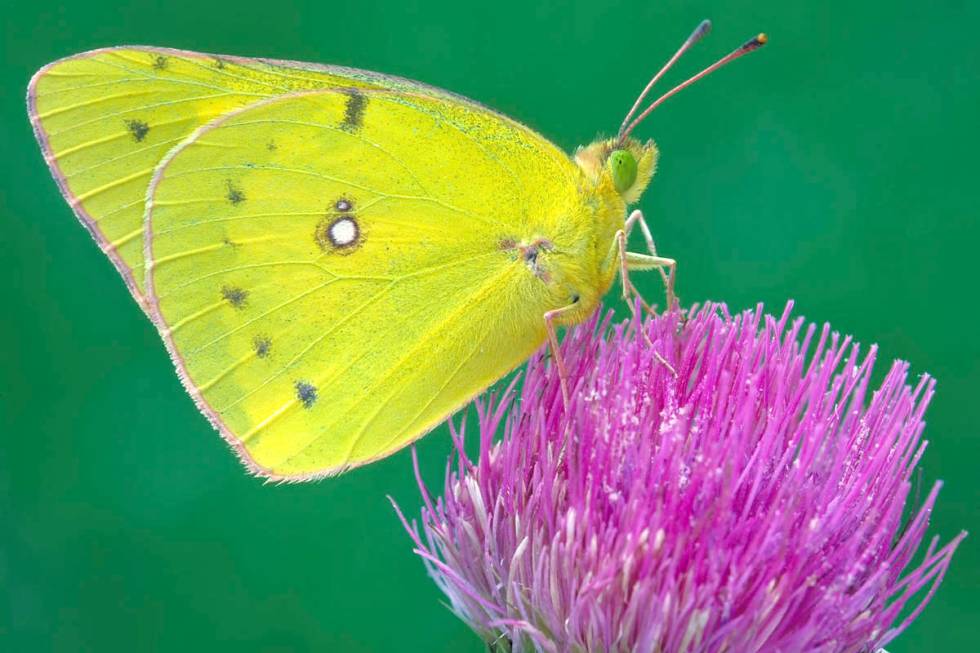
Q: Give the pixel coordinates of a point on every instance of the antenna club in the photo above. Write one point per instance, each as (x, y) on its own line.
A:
(702, 29)
(755, 42)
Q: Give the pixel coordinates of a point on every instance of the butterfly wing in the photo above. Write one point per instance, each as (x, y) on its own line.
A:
(106, 118)
(328, 272)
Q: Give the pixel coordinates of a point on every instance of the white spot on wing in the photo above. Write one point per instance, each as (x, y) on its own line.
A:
(343, 232)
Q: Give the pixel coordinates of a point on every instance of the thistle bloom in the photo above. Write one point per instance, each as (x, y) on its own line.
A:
(724, 484)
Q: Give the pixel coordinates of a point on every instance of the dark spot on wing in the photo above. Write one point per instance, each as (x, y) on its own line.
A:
(235, 296)
(343, 205)
(160, 62)
(271, 146)
(219, 63)
(230, 243)
(235, 194)
(138, 129)
(306, 393)
(262, 346)
(354, 110)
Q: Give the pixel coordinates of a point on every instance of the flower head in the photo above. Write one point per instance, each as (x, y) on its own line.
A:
(721, 484)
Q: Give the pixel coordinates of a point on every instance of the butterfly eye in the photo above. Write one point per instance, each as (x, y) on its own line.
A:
(622, 167)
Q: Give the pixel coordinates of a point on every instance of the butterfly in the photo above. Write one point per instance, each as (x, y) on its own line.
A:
(337, 260)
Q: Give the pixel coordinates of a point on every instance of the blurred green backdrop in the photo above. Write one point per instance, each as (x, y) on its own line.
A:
(837, 166)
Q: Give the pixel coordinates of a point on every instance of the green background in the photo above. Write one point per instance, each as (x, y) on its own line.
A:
(837, 166)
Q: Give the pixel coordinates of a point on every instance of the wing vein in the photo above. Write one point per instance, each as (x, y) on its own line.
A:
(298, 356)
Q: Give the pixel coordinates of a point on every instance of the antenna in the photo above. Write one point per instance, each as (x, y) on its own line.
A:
(750, 45)
(699, 32)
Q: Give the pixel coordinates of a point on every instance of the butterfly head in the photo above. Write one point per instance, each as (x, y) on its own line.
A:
(628, 164)
(625, 164)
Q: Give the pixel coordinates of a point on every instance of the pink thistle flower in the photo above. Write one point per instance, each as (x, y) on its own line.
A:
(724, 484)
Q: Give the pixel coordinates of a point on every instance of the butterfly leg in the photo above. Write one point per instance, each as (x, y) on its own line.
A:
(640, 262)
(549, 323)
(629, 290)
(636, 218)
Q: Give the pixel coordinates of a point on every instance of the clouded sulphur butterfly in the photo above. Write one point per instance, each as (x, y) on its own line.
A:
(336, 259)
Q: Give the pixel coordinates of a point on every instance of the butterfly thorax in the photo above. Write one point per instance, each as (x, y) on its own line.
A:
(571, 258)
(578, 260)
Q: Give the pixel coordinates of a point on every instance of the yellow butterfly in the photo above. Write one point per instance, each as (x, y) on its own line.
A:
(336, 259)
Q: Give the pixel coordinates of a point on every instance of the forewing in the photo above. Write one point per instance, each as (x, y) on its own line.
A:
(327, 269)
(106, 118)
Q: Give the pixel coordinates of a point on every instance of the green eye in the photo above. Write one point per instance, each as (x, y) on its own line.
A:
(622, 166)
